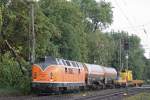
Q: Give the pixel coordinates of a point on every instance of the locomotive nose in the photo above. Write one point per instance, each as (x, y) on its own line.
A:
(42, 73)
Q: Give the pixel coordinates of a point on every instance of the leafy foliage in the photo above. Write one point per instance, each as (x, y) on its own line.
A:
(100, 13)
(100, 51)
(70, 35)
(11, 76)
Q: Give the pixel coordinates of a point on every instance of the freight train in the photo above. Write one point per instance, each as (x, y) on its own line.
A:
(55, 74)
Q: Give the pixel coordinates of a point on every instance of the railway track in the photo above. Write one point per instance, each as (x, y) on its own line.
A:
(118, 95)
(137, 90)
(108, 94)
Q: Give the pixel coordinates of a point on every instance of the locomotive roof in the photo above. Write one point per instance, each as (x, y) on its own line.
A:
(57, 61)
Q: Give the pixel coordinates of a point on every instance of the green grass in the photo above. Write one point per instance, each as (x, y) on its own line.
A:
(141, 96)
(9, 92)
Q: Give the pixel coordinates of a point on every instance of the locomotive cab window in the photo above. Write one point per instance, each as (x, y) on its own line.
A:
(77, 64)
(60, 61)
(64, 63)
(80, 65)
(68, 63)
(74, 64)
(71, 63)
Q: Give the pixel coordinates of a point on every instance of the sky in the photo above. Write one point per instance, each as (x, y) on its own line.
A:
(133, 16)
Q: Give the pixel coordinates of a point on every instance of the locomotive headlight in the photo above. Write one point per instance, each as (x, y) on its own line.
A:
(51, 75)
(34, 75)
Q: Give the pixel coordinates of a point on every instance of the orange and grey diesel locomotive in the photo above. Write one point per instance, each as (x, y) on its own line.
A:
(59, 74)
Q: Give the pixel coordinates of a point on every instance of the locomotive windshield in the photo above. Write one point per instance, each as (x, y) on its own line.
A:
(46, 61)
(49, 60)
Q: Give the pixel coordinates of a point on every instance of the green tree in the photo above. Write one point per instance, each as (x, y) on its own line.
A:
(136, 57)
(98, 15)
(146, 75)
(70, 40)
(101, 48)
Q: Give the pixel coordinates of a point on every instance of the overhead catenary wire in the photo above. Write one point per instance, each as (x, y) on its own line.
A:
(125, 16)
(132, 27)
(135, 29)
(140, 30)
(138, 26)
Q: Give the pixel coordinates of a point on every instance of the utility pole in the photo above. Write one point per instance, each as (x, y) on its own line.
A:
(120, 55)
(33, 34)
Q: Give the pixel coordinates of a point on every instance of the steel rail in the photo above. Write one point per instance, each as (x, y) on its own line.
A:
(104, 96)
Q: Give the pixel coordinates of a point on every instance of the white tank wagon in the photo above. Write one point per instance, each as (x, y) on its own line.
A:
(95, 74)
(110, 75)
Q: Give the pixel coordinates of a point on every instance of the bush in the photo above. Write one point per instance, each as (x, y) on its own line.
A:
(11, 75)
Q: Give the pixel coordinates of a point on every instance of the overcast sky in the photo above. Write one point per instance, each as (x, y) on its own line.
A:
(133, 16)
